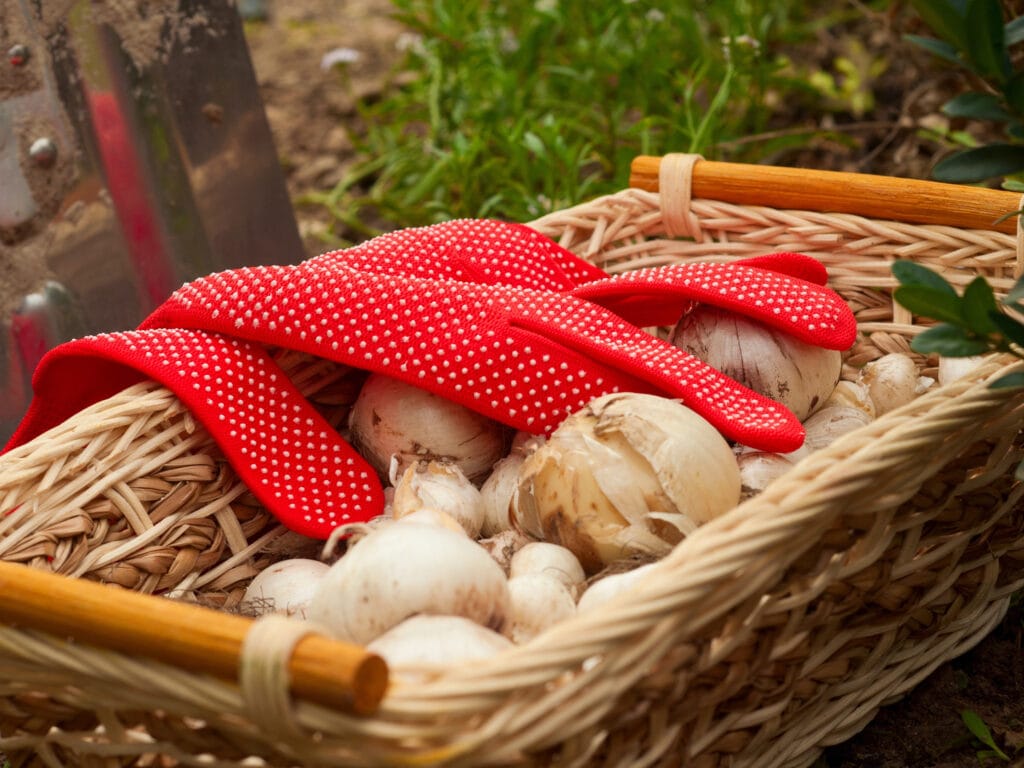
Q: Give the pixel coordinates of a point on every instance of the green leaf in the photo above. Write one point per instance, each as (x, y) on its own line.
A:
(1009, 381)
(977, 306)
(533, 142)
(948, 341)
(976, 105)
(947, 19)
(940, 48)
(1017, 292)
(980, 164)
(1013, 32)
(981, 732)
(986, 40)
(1013, 92)
(912, 273)
(1010, 328)
(933, 303)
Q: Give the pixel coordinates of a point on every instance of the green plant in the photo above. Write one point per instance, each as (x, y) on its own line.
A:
(980, 730)
(972, 323)
(518, 108)
(973, 35)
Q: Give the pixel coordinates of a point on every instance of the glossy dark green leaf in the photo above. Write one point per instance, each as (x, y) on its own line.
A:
(1013, 92)
(1010, 328)
(986, 40)
(1013, 32)
(980, 164)
(925, 301)
(947, 340)
(975, 105)
(1008, 381)
(940, 48)
(912, 273)
(947, 19)
(977, 306)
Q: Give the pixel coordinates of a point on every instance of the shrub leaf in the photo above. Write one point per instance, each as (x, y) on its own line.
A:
(980, 163)
(930, 302)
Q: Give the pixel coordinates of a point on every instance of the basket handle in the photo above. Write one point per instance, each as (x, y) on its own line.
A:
(881, 197)
(185, 635)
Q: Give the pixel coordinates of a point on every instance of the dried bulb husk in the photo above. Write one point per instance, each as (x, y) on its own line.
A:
(829, 424)
(526, 443)
(285, 587)
(424, 644)
(953, 368)
(629, 474)
(851, 394)
(798, 375)
(551, 560)
(503, 547)
(430, 516)
(441, 486)
(536, 602)
(891, 380)
(392, 421)
(606, 588)
(498, 493)
(758, 469)
(404, 569)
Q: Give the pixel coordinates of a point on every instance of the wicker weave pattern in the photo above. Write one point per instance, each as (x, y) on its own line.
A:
(766, 635)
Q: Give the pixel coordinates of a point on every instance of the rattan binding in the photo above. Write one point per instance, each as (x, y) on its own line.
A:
(765, 636)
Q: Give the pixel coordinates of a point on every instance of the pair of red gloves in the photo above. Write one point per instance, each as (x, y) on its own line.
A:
(488, 314)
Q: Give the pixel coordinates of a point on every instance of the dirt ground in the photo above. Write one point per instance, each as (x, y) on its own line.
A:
(312, 113)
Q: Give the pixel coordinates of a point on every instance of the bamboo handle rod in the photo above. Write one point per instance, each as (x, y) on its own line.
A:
(882, 197)
(184, 635)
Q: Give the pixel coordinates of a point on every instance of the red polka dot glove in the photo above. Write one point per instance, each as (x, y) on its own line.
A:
(289, 456)
(524, 356)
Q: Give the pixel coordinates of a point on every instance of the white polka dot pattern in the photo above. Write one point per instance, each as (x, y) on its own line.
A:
(294, 462)
(526, 358)
(654, 296)
(491, 315)
(471, 250)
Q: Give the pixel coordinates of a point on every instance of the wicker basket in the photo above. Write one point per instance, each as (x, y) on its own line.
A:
(766, 635)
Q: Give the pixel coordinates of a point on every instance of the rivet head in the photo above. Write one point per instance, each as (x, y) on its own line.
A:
(43, 152)
(18, 55)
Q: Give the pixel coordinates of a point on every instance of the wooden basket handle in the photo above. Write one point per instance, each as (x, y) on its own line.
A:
(184, 635)
(880, 197)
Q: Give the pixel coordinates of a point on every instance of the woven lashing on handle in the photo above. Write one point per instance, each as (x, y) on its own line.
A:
(768, 633)
(675, 179)
(263, 675)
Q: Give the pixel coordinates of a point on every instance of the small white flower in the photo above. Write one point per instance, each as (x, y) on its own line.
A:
(339, 56)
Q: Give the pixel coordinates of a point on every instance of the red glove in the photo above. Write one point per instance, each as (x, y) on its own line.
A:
(525, 357)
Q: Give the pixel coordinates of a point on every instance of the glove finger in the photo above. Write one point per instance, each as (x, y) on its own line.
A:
(287, 454)
(659, 295)
(471, 250)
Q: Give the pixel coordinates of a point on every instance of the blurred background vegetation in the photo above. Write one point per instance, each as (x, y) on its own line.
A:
(513, 109)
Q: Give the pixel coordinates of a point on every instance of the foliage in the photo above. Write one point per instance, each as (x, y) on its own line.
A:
(973, 35)
(850, 87)
(519, 108)
(980, 730)
(973, 323)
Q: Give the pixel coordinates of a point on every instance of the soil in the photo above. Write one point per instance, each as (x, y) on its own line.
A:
(313, 115)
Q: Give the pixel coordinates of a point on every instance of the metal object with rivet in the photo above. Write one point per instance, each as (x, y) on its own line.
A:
(124, 173)
(18, 55)
(43, 152)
